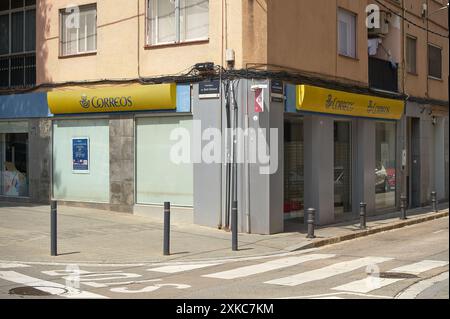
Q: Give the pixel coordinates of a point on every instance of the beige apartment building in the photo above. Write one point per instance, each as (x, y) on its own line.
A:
(356, 93)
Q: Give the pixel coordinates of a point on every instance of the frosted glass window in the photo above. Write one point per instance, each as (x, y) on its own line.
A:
(347, 33)
(158, 179)
(71, 186)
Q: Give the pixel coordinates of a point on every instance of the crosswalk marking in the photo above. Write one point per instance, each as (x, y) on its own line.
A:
(326, 272)
(420, 266)
(180, 268)
(47, 286)
(367, 284)
(267, 266)
(373, 282)
(12, 265)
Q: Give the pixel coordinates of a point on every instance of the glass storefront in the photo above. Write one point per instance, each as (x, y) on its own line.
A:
(385, 180)
(293, 168)
(342, 167)
(81, 160)
(158, 179)
(14, 178)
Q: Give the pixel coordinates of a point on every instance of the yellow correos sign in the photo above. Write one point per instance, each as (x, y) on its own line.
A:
(316, 99)
(113, 99)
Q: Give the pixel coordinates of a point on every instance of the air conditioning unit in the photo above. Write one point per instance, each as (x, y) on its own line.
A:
(384, 26)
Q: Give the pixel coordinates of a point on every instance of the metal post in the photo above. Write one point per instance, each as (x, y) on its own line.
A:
(234, 225)
(166, 228)
(53, 228)
(434, 201)
(362, 215)
(311, 221)
(403, 207)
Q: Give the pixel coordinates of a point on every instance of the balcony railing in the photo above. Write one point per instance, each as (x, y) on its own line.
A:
(383, 75)
(18, 71)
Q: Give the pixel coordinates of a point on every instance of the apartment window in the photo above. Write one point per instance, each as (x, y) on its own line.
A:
(17, 43)
(174, 21)
(347, 33)
(79, 31)
(411, 55)
(434, 61)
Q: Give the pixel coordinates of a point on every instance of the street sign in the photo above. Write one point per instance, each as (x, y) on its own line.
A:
(209, 89)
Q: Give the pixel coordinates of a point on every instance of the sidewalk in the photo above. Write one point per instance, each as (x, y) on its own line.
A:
(94, 236)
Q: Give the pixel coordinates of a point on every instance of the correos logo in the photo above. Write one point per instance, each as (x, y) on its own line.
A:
(105, 102)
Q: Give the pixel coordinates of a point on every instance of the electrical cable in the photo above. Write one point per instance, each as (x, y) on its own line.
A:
(409, 21)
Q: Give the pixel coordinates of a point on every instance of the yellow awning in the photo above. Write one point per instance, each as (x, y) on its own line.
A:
(316, 99)
(127, 98)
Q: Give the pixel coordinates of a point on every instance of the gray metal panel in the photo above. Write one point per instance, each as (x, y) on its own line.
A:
(207, 177)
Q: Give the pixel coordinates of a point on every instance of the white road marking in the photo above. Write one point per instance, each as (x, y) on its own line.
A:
(180, 268)
(267, 266)
(414, 290)
(326, 272)
(12, 265)
(439, 231)
(324, 296)
(47, 286)
(373, 282)
(420, 267)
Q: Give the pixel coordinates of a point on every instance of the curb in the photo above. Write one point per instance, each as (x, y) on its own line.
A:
(372, 231)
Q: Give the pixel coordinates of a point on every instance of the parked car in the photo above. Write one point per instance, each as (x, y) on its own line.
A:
(381, 179)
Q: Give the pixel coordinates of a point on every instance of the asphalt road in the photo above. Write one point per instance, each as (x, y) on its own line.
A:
(411, 262)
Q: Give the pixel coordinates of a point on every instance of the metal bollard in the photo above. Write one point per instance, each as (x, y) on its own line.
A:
(403, 207)
(166, 248)
(234, 225)
(434, 202)
(311, 221)
(362, 215)
(53, 228)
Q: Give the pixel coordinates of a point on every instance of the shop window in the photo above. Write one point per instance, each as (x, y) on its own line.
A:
(81, 160)
(347, 33)
(342, 167)
(173, 21)
(434, 61)
(158, 178)
(79, 33)
(385, 177)
(14, 160)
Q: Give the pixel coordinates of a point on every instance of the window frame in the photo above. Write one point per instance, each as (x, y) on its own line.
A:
(408, 36)
(355, 16)
(151, 6)
(63, 30)
(428, 61)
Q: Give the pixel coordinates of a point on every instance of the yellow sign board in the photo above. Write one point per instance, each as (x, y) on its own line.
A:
(316, 99)
(113, 99)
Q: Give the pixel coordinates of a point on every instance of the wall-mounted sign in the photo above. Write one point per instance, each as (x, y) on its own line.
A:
(317, 99)
(113, 99)
(209, 89)
(80, 155)
(259, 100)
(277, 91)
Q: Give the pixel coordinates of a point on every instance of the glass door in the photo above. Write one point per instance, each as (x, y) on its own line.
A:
(342, 167)
(293, 168)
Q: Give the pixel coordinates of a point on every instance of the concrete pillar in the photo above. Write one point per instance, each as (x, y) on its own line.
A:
(319, 166)
(121, 163)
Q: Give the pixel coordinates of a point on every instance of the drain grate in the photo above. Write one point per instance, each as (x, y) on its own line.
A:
(397, 275)
(33, 291)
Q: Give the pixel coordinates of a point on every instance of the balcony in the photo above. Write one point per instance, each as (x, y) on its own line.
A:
(383, 75)
(18, 71)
